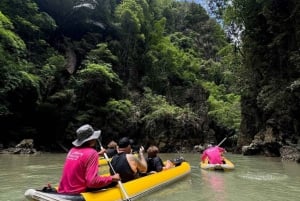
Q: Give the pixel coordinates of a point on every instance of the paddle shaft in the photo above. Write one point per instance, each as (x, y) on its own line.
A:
(119, 182)
(229, 135)
(222, 141)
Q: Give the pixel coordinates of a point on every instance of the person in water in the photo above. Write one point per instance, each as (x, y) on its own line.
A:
(214, 154)
(80, 171)
(154, 162)
(127, 164)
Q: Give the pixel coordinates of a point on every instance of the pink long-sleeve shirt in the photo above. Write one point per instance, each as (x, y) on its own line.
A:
(81, 171)
(213, 154)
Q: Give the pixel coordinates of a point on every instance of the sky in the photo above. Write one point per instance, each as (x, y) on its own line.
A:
(202, 2)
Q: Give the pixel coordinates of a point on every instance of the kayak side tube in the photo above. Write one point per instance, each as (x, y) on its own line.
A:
(134, 188)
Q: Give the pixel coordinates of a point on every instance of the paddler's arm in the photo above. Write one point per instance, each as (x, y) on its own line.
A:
(138, 164)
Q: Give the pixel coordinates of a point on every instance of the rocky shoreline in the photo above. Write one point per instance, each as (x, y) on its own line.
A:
(26, 146)
(273, 144)
(273, 148)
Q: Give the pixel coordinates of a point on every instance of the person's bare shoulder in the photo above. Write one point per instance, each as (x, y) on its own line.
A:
(131, 157)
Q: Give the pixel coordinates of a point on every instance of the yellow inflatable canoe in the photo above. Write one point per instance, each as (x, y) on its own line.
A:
(103, 161)
(134, 188)
(228, 165)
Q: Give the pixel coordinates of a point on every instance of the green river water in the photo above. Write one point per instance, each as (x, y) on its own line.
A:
(255, 178)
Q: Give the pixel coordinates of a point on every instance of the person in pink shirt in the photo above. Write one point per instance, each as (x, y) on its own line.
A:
(214, 155)
(80, 171)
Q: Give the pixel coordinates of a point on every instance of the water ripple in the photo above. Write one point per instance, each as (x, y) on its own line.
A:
(263, 176)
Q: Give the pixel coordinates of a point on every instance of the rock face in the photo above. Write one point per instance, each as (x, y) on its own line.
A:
(271, 84)
(26, 146)
(272, 142)
(267, 142)
(290, 153)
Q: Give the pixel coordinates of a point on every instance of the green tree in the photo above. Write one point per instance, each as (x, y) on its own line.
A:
(163, 120)
(224, 107)
(130, 16)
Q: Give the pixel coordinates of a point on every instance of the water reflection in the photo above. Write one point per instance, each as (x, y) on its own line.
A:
(215, 181)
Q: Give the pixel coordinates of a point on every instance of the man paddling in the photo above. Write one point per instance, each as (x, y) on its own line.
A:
(80, 172)
(213, 154)
(127, 164)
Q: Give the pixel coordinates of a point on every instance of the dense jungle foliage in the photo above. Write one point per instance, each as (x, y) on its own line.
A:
(159, 71)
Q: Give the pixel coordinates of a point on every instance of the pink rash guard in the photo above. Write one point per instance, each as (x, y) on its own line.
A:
(213, 154)
(81, 171)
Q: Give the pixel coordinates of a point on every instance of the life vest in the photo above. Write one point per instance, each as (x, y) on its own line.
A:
(111, 152)
(154, 164)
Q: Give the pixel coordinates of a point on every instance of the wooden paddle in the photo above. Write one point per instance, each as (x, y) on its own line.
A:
(123, 190)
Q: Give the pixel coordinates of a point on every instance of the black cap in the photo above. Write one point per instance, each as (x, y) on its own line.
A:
(124, 142)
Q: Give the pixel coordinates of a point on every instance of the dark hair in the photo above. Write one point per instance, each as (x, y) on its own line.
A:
(124, 142)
